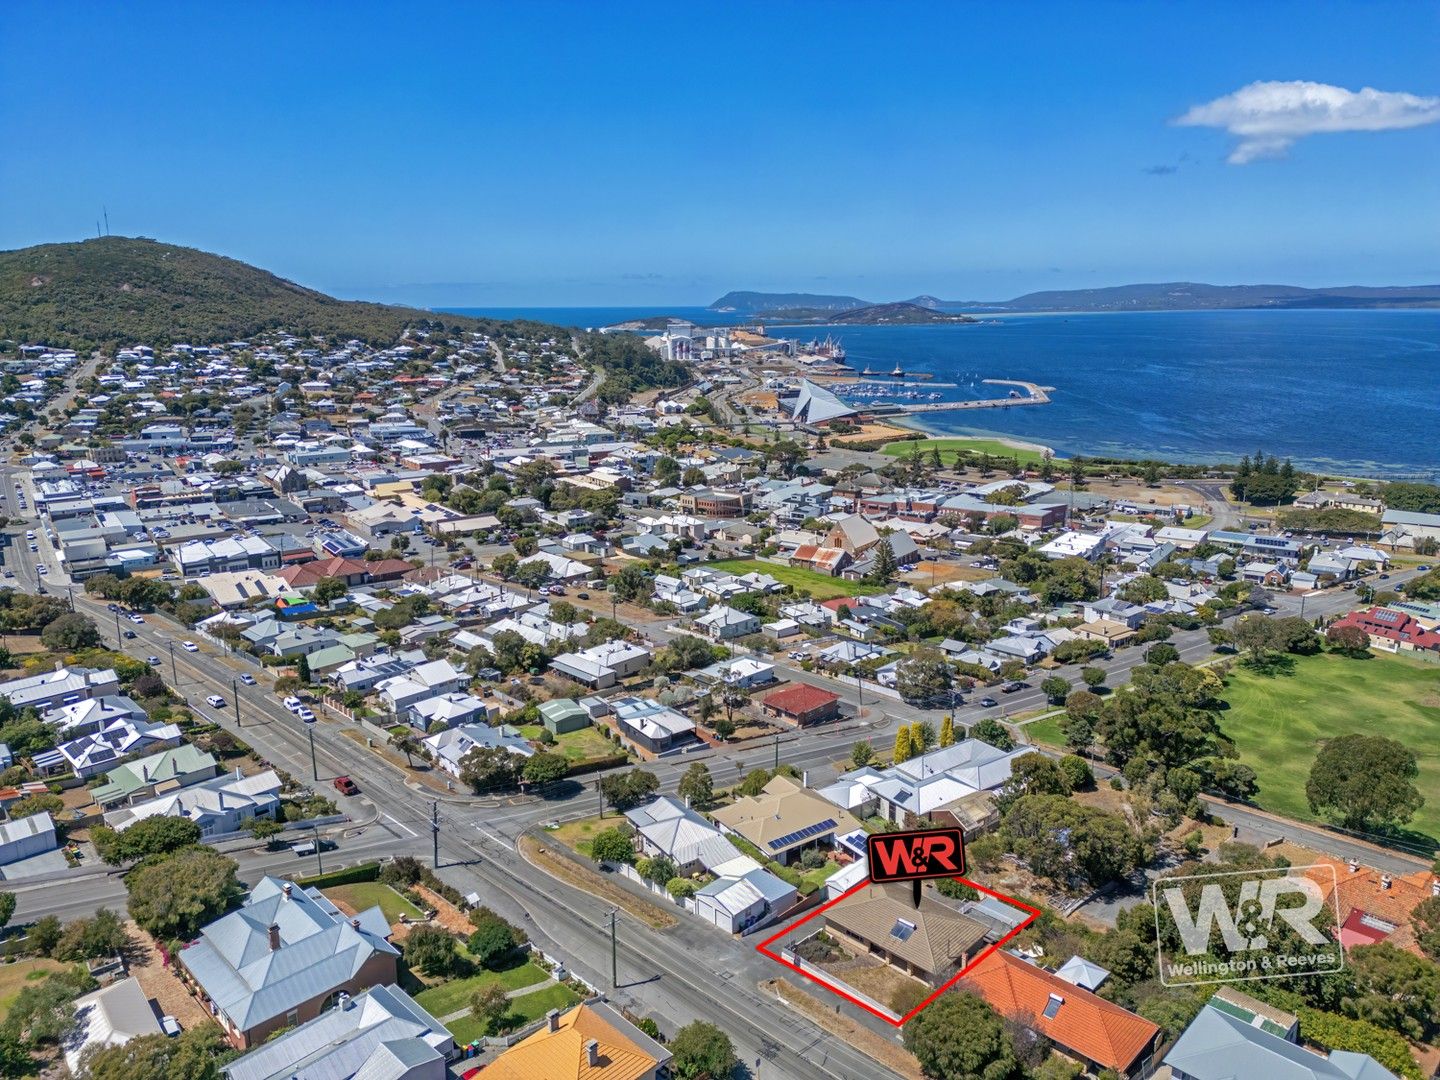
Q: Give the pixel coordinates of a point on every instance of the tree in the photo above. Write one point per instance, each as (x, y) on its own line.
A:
(1162, 654)
(702, 1052)
(545, 768)
(884, 567)
(861, 753)
(1063, 840)
(1078, 773)
(755, 781)
(904, 749)
(1426, 921)
(328, 589)
(431, 950)
(490, 768)
(264, 829)
(1093, 677)
(923, 676)
(659, 870)
(1031, 774)
(1220, 636)
(194, 1055)
(922, 736)
(1348, 640)
(947, 730)
(302, 669)
(490, 1005)
(612, 845)
(991, 731)
(173, 896)
(959, 1037)
(685, 653)
(70, 633)
(492, 941)
(43, 1013)
(697, 787)
(407, 744)
(1364, 782)
(1055, 689)
(37, 804)
(631, 583)
(149, 836)
(627, 790)
(7, 908)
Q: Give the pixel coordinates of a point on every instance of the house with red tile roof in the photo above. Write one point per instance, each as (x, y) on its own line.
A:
(1392, 631)
(1373, 905)
(802, 704)
(351, 571)
(824, 560)
(1097, 1033)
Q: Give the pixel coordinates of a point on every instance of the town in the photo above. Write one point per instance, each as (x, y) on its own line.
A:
(485, 699)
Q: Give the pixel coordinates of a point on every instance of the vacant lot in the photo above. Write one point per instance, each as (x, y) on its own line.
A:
(455, 995)
(820, 586)
(366, 894)
(586, 744)
(1279, 722)
(950, 447)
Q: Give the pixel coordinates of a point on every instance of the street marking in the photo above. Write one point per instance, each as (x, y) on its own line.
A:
(492, 836)
(408, 830)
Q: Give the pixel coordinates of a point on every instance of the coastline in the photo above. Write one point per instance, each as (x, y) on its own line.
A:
(910, 423)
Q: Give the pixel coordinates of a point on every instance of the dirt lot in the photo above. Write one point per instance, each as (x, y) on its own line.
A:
(927, 573)
(820, 1006)
(160, 983)
(870, 433)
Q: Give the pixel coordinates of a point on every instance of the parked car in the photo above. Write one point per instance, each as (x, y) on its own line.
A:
(190, 646)
(292, 703)
(247, 679)
(137, 618)
(346, 786)
(1011, 687)
(305, 714)
(582, 596)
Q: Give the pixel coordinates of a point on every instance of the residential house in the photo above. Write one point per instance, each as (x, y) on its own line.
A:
(724, 623)
(650, 725)
(284, 958)
(380, 1034)
(936, 780)
(1373, 905)
(228, 803)
(423, 681)
(1095, 1032)
(743, 895)
(110, 1016)
(667, 827)
(63, 686)
(449, 747)
(590, 1042)
(1235, 1035)
(744, 672)
(930, 942)
(560, 715)
(451, 710)
(25, 838)
(134, 780)
(602, 665)
(1392, 631)
(782, 821)
(801, 704)
(91, 755)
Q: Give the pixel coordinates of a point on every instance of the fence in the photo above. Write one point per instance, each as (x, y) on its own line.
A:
(790, 954)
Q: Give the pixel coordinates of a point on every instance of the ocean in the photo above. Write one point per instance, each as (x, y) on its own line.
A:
(1343, 391)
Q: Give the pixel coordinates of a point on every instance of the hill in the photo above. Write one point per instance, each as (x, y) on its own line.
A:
(116, 290)
(752, 303)
(1185, 295)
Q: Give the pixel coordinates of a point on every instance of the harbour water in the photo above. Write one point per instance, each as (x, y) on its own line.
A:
(1345, 391)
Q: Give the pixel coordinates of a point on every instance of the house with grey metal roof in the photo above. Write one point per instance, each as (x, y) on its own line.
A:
(381, 1034)
(283, 958)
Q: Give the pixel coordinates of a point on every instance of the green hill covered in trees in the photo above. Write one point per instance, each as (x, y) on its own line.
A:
(119, 290)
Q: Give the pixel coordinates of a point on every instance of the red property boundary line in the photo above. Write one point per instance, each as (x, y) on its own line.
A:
(763, 949)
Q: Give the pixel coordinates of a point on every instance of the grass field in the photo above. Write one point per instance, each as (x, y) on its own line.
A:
(821, 586)
(15, 977)
(522, 1010)
(452, 996)
(1046, 732)
(366, 894)
(949, 447)
(586, 744)
(1279, 722)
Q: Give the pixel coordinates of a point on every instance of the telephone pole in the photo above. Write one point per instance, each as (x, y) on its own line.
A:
(174, 674)
(314, 765)
(319, 866)
(435, 833)
(235, 693)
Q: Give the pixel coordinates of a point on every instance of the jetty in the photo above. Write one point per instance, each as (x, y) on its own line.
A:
(1034, 394)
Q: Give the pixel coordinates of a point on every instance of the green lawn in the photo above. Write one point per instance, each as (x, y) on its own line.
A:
(1278, 722)
(449, 997)
(15, 977)
(586, 744)
(821, 586)
(819, 876)
(1046, 731)
(948, 448)
(523, 1010)
(366, 894)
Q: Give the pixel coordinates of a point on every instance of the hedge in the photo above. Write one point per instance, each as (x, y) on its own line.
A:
(350, 875)
(614, 761)
(1334, 1032)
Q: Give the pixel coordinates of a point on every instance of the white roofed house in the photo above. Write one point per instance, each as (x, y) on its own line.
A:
(451, 710)
(602, 665)
(63, 686)
(667, 827)
(651, 725)
(226, 804)
(420, 682)
(725, 623)
(91, 755)
(25, 839)
(938, 779)
(448, 748)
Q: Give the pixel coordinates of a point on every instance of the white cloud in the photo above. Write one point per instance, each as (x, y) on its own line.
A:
(1267, 117)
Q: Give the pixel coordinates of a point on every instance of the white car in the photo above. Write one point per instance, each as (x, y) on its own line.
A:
(190, 646)
(137, 618)
(215, 701)
(305, 714)
(44, 569)
(248, 679)
(293, 704)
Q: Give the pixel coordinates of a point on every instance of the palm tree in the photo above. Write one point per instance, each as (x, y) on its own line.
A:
(407, 744)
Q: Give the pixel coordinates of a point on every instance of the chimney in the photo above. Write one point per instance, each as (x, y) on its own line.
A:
(592, 1054)
(1353, 864)
(286, 889)
(552, 1019)
(1384, 881)
(274, 937)
(355, 924)
(343, 1001)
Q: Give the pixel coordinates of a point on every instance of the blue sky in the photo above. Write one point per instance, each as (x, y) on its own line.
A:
(585, 153)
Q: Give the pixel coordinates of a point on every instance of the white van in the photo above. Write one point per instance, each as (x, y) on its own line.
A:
(293, 704)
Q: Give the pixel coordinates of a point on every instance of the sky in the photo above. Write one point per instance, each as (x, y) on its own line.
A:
(588, 153)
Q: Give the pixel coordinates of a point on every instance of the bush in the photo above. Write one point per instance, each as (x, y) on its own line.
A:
(812, 859)
(350, 875)
(1341, 1033)
(1078, 772)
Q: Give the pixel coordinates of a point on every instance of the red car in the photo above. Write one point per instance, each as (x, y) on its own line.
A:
(346, 786)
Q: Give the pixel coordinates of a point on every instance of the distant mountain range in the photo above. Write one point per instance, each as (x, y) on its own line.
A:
(1167, 296)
